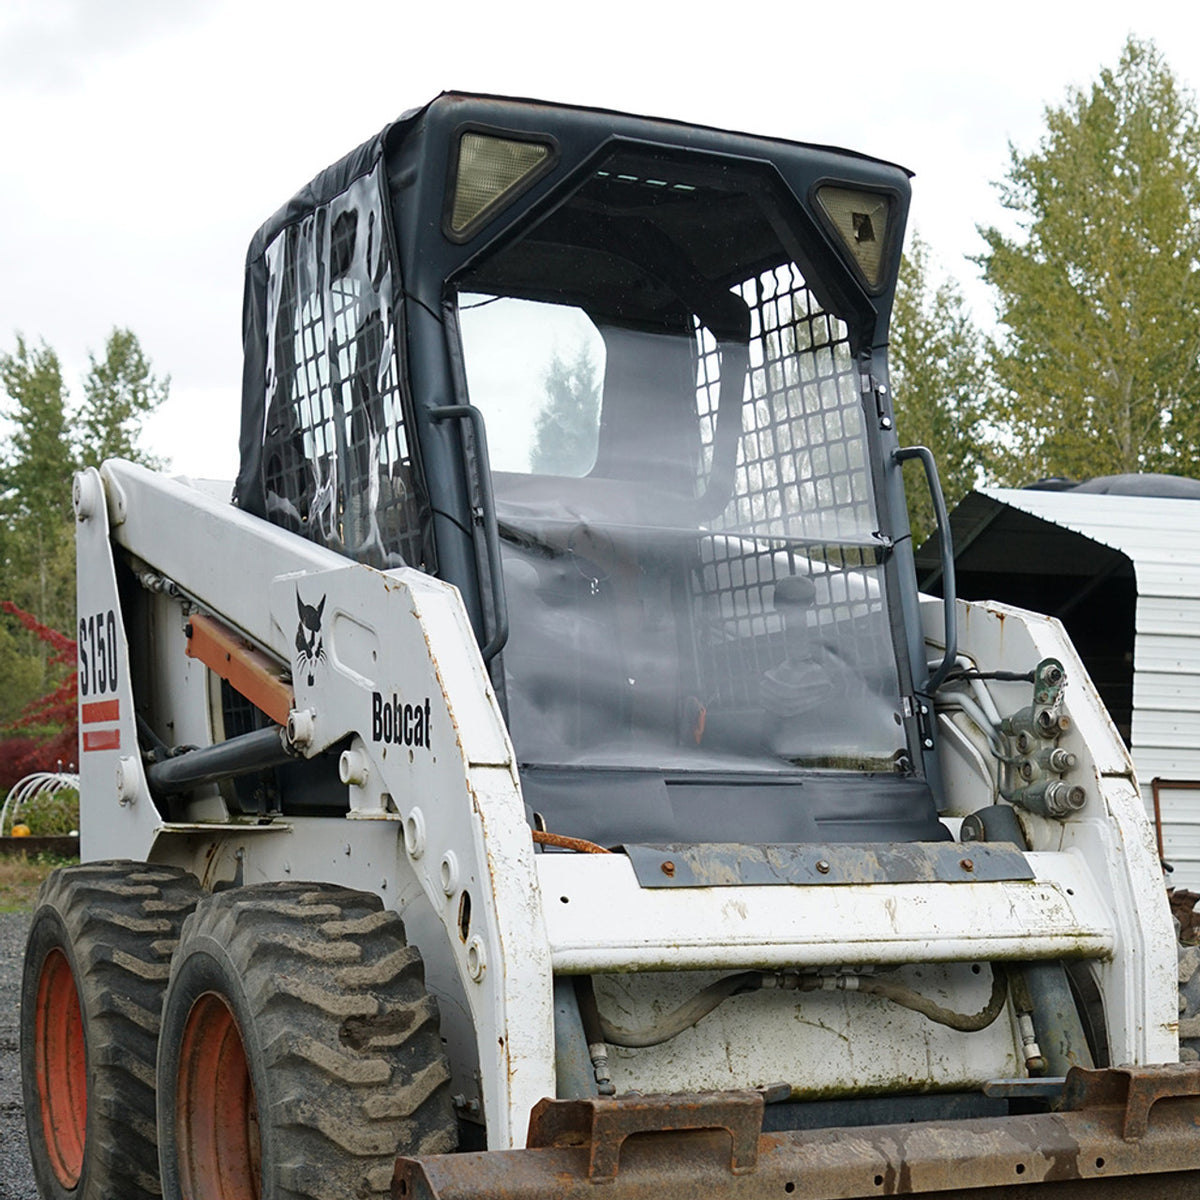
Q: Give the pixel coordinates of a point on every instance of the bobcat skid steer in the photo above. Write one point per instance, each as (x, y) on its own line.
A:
(544, 779)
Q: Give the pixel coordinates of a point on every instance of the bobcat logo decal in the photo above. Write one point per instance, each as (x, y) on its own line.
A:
(310, 647)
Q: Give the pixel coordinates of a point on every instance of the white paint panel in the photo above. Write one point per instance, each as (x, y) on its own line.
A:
(1177, 576)
(1167, 762)
(599, 919)
(1181, 832)
(1166, 728)
(1167, 616)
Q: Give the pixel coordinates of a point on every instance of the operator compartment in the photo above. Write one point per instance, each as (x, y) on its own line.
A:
(628, 404)
(699, 636)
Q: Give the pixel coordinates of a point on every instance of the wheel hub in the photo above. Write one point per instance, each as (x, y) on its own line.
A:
(220, 1154)
(60, 1058)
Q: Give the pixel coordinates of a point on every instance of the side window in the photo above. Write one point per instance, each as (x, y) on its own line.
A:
(337, 461)
(536, 372)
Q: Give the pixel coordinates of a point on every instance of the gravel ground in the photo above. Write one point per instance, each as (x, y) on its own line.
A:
(16, 1175)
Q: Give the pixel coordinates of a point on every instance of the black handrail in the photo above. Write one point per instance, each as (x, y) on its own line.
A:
(949, 597)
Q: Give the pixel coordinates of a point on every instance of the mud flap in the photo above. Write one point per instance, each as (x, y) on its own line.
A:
(1131, 1132)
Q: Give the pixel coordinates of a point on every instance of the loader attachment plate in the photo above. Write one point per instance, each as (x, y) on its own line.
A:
(1131, 1133)
(734, 865)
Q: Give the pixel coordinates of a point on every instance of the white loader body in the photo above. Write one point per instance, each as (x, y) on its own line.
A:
(436, 825)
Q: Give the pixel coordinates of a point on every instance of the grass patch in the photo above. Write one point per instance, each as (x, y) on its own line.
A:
(20, 878)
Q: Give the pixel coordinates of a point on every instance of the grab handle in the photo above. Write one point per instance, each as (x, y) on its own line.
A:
(949, 597)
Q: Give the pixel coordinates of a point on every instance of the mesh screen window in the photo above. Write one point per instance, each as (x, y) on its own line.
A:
(337, 462)
(802, 503)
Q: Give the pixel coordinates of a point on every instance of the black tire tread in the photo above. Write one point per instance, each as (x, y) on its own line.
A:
(123, 921)
(355, 1065)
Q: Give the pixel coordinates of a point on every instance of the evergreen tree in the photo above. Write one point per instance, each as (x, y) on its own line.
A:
(567, 427)
(940, 383)
(120, 391)
(37, 550)
(37, 532)
(1099, 295)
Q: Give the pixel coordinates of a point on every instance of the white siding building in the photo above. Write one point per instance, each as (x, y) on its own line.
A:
(1122, 572)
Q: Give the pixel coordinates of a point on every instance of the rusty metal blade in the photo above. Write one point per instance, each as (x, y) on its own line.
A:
(600, 1153)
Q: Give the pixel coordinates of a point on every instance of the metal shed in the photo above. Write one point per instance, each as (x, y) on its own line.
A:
(1122, 572)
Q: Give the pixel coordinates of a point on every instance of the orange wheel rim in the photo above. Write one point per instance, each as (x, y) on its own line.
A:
(60, 1063)
(220, 1156)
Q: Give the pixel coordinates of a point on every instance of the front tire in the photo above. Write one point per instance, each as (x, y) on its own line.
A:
(96, 967)
(300, 1050)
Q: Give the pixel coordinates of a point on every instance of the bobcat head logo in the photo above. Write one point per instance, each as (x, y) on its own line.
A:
(310, 648)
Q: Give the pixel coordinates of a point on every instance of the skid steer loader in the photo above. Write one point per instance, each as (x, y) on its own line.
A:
(544, 779)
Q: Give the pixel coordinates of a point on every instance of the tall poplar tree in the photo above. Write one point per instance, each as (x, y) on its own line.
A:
(941, 386)
(37, 527)
(1099, 292)
(119, 392)
(45, 445)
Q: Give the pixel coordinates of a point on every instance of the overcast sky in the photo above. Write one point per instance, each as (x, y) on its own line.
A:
(143, 141)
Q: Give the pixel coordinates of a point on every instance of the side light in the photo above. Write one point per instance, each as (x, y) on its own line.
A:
(491, 171)
(863, 220)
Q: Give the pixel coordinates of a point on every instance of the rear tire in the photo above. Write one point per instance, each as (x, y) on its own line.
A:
(300, 1050)
(96, 967)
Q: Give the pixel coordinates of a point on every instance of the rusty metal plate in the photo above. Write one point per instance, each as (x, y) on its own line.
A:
(733, 865)
(603, 1124)
(1133, 1090)
(1083, 1154)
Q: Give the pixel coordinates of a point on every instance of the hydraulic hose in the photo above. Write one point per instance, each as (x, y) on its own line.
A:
(949, 699)
(699, 1006)
(907, 998)
(686, 1015)
(561, 842)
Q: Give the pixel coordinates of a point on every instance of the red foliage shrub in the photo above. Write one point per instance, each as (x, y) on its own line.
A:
(23, 754)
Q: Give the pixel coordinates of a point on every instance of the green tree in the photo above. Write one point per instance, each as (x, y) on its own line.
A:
(940, 383)
(22, 670)
(1099, 293)
(35, 538)
(566, 431)
(119, 392)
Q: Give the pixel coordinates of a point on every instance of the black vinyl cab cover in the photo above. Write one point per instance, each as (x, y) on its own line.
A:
(621, 381)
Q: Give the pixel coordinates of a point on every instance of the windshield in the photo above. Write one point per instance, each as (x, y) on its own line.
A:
(693, 573)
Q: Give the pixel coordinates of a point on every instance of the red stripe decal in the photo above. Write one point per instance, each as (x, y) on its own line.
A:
(102, 739)
(101, 710)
